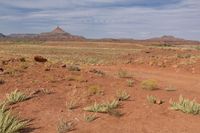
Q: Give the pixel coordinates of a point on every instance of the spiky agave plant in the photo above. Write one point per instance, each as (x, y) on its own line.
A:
(186, 106)
(15, 97)
(103, 108)
(10, 123)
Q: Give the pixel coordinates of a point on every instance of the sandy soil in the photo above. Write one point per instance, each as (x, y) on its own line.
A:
(46, 110)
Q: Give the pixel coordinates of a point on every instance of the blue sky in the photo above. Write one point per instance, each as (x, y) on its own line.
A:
(137, 19)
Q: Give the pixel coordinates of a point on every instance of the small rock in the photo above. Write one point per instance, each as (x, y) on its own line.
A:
(1, 69)
(47, 69)
(40, 59)
(22, 59)
(159, 102)
(64, 66)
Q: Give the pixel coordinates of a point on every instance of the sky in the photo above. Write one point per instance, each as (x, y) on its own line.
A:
(137, 19)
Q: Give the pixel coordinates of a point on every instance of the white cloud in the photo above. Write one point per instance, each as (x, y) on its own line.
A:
(80, 17)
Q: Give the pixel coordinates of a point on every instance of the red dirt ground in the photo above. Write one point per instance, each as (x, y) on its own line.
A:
(45, 110)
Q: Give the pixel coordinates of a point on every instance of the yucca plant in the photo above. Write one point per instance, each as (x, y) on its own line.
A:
(103, 108)
(123, 74)
(151, 99)
(122, 95)
(186, 106)
(72, 104)
(90, 117)
(130, 83)
(65, 126)
(10, 123)
(15, 97)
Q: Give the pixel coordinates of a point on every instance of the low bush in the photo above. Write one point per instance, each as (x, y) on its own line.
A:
(149, 85)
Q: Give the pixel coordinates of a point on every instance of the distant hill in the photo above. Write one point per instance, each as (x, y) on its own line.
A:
(59, 34)
(23, 35)
(168, 40)
(2, 35)
(56, 34)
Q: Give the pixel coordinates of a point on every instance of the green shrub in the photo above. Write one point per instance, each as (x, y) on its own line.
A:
(123, 74)
(149, 85)
(15, 97)
(186, 106)
(103, 108)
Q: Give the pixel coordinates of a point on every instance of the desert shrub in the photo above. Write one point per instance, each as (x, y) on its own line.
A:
(76, 78)
(151, 99)
(98, 72)
(103, 108)
(123, 74)
(65, 126)
(122, 95)
(197, 47)
(95, 90)
(149, 85)
(10, 123)
(90, 117)
(22, 59)
(72, 104)
(183, 55)
(45, 91)
(130, 83)
(15, 97)
(74, 68)
(186, 106)
(115, 113)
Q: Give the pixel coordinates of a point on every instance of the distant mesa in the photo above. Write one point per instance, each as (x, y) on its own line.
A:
(58, 30)
(59, 34)
(56, 34)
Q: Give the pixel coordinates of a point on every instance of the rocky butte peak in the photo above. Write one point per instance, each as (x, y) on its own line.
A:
(58, 30)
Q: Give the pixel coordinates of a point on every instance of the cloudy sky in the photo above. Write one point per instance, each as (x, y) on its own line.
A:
(103, 18)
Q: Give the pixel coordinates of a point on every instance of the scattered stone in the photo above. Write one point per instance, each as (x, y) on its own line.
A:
(99, 72)
(40, 59)
(159, 102)
(47, 69)
(22, 59)
(2, 81)
(1, 69)
(64, 66)
(74, 68)
(147, 52)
